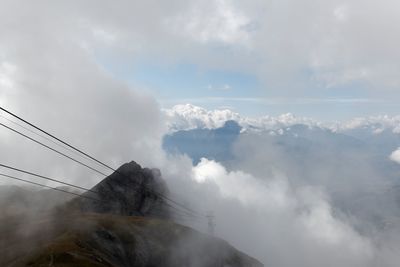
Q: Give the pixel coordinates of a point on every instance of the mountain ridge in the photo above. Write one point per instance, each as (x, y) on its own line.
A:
(110, 233)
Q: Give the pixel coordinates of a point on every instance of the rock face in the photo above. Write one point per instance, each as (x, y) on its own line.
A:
(130, 190)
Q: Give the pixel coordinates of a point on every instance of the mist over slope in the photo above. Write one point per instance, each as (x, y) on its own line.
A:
(340, 183)
(120, 222)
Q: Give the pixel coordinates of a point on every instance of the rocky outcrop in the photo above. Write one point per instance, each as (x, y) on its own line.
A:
(130, 190)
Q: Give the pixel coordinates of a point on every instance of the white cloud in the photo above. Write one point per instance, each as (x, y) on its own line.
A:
(212, 21)
(243, 186)
(184, 117)
(225, 87)
(299, 221)
(49, 78)
(336, 42)
(377, 124)
(341, 13)
(395, 156)
(6, 72)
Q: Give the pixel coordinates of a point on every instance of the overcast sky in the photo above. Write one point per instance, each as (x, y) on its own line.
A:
(331, 59)
(328, 59)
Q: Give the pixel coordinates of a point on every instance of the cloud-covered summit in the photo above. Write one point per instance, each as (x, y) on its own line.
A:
(188, 116)
(377, 124)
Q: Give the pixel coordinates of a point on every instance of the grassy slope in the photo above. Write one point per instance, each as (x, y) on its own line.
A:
(104, 240)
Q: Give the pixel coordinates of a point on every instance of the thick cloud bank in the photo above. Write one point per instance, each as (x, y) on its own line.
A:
(49, 75)
(297, 194)
(283, 223)
(280, 205)
(187, 116)
(269, 218)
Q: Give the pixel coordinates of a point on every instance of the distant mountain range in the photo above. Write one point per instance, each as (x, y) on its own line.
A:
(187, 117)
(208, 143)
(211, 134)
(349, 160)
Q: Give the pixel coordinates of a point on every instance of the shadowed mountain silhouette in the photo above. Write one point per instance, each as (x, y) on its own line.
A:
(130, 190)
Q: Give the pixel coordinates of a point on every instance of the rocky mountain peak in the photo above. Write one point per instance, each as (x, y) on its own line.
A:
(130, 190)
